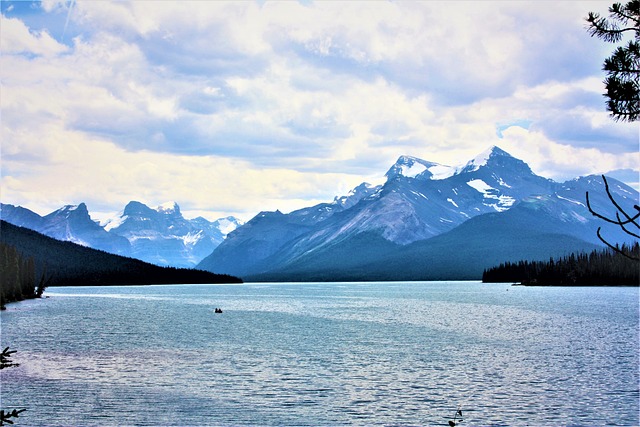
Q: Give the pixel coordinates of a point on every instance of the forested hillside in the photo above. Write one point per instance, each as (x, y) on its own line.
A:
(460, 254)
(30, 257)
(598, 268)
(18, 279)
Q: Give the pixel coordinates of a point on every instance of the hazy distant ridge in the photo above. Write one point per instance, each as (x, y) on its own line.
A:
(160, 236)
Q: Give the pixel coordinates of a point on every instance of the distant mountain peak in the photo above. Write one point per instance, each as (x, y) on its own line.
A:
(71, 210)
(135, 208)
(355, 195)
(161, 236)
(227, 225)
(495, 157)
(169, 208)
(483, 158)
(413, 167)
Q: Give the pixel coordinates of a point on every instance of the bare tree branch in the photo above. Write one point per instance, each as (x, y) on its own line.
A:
(624, 228)
(615, 248)
(629, 220)
(623, 223)
(615, 203)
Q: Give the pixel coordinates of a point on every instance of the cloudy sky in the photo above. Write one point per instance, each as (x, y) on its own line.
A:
(238, 107)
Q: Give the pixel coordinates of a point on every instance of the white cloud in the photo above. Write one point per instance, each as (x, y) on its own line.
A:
(562, 162)
(16, 38)
(106, 176)
(320, 96)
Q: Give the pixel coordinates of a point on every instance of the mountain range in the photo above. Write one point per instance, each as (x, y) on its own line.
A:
(160, 236)
(427, 221)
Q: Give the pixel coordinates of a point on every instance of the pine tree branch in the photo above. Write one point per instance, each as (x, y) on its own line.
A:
(609, 29)
(624, 117)
(601, 28)
(624, 14)
(621, 70)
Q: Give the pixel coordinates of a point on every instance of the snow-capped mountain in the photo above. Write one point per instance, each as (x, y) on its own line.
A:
(420, 200)
(161, 236)
(71, 223)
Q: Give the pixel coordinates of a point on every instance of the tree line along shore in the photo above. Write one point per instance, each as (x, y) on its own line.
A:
(604, 267)
(30, 262)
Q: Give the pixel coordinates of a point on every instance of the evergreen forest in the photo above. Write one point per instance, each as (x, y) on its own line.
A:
(30, 261)
(604, 267)
(18, 280)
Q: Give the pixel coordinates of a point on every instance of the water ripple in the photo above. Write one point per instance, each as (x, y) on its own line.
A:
(325, 354)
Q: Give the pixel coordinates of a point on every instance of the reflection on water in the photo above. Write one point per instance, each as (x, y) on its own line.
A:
(325, 354)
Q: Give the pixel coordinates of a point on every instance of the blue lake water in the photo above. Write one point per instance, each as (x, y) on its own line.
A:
(325, 354)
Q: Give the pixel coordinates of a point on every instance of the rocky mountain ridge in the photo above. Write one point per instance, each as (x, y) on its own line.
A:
(160, 236)
(419, 201)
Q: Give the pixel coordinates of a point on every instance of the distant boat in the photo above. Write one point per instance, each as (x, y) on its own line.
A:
(218, 310)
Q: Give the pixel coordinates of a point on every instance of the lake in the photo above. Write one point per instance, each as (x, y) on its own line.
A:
(399, 353)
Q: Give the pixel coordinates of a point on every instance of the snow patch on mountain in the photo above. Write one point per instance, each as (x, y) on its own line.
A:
(480, 160)
(570, 200)
(502, 183)
(114, 222)
(621, 189)
(227, 225)
(412, 170)
(504, 202)
(192, 238)
(441, 172)
(419, 194)
(480, 186)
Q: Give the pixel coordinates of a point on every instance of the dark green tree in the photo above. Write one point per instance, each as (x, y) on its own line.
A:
(18, 276)
(604, 267)
(623, 66)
